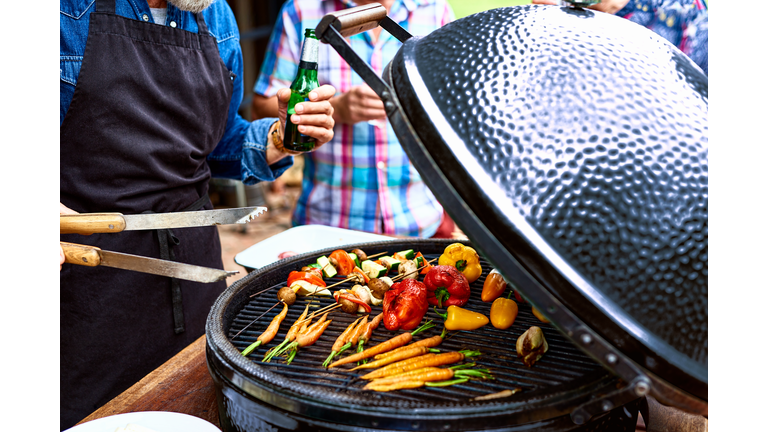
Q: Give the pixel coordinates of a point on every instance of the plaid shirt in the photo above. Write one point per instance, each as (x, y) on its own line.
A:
(362, 179)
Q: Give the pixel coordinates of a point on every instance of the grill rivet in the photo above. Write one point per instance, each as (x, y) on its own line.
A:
(642, 388)
(375, 424)
(111, 226)
(587, 339)
(414, 425)
(447, 427)
(389, 106)
(611, 358)
(578, 419)
(607, 405)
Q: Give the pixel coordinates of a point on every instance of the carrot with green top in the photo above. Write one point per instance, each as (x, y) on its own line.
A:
(365, 336)
(402, 355)
(395, 342)
(354, 335)
(426, 360)
(428, 342)
(269, 333)
(289, 337)
(426, 375)
(340, 341)
(310, 336)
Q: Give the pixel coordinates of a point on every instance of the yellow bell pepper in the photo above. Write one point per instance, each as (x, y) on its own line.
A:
(464, 258)
(503, 313)
(457, 318)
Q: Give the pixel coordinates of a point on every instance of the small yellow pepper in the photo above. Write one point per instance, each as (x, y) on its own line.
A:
(464, 258)
(538, 315)
(503, 313)
(457, 318)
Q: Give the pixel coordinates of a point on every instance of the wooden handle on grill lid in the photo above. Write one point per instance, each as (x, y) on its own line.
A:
(350, 22)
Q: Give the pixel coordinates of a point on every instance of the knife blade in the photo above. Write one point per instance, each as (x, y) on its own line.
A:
(93, 256)
(90, 223)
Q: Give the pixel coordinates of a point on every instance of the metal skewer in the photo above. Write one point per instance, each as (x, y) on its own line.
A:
(257, 318)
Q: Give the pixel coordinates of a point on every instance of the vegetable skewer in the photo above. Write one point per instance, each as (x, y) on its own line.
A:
(340, 341)
(427, 360)
(269, 333)
(395, 342)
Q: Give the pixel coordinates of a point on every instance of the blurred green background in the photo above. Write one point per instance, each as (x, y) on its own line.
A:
(463, 8)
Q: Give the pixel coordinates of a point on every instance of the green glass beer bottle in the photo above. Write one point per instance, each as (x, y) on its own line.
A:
(305, 82)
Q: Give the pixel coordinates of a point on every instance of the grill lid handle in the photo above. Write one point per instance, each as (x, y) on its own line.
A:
(359, 19)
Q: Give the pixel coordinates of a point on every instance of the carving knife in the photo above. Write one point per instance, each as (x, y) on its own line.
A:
(90, 223)
(92, 256)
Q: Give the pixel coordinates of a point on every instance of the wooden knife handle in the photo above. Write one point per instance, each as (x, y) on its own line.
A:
(90, 223)
(81, 255)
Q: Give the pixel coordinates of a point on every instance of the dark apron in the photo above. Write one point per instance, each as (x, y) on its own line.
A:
(151, 102)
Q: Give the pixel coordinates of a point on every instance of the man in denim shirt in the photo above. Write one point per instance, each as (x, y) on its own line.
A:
(148, 113)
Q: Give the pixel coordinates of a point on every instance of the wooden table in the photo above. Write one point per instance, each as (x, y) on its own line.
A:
(184, 385)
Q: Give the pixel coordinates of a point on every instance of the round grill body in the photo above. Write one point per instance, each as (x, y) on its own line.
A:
(255, 396)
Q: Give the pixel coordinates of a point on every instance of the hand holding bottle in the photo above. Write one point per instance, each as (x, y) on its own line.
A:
(313, 118)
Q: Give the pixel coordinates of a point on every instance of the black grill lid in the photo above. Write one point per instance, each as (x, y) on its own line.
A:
(572, 145)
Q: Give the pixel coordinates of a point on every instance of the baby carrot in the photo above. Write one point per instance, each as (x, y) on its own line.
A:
(269, 333)
(289, 337)
(340, 341)
(366, 334)
(395, 342)
(426, 360)
(425, 375)
(428, 342)
(307, 338)
(354, 335)
(402, 355)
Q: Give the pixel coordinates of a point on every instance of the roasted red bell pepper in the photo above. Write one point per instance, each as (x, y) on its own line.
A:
(446, 286)
(345, 263)
(310, 277)
(405, 305)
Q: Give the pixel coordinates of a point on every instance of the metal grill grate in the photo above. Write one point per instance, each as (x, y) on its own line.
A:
(563, 364)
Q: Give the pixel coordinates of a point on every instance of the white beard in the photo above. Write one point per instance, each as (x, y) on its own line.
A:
(194, 6)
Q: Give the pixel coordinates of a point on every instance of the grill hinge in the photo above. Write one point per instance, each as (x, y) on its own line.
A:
(638, 388)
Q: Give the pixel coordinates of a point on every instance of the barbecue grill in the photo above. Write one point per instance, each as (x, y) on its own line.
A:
(571, 147)
(256, 396)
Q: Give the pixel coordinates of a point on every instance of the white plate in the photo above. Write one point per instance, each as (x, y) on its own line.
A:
(301, 239)
(158, 421)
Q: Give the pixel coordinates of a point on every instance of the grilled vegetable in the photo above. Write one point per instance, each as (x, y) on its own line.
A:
(329, 270)
(421, 261)
(493, 287)
(355, 335)
(287, 296)
(457, 318)
(378, 288)
(426, 360)
(373, 270)
(385, 346)
(423, 376)
(405, 305)
(304, 288)
(503, 312)
(343, 263)
(405, 255)
(446, 286)
(289, 337)
(308, 337)
(428, 342)
(531, 345)
(311, 276)
(391, 263)
(270, 332)
(464, 258)
(340, 341)
(408, 269)
(365, 335)
(349, 302)
(360, 254)
(400, 355)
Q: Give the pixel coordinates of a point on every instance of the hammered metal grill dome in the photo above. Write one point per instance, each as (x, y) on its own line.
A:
(582, 137)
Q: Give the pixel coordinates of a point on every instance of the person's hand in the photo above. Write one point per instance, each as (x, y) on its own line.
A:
(314, 118)
(359, 104)
(63, 210)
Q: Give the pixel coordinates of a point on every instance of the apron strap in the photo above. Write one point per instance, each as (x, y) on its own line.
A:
(105, 6)
(201, 27)
(166, 253)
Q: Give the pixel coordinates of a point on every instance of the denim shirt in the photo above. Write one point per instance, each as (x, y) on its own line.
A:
(241, 153)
